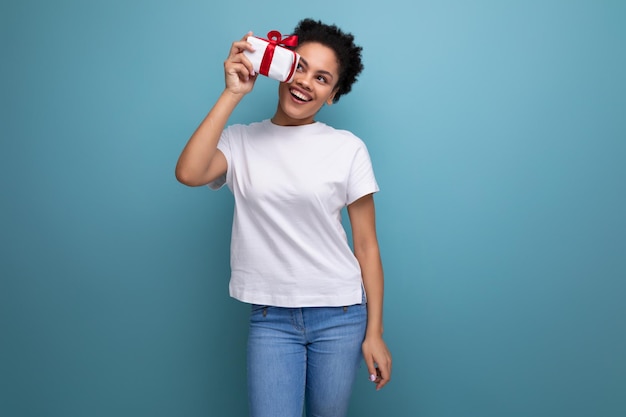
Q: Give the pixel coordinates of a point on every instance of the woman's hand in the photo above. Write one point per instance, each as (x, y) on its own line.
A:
(378, 360)
(238, 72)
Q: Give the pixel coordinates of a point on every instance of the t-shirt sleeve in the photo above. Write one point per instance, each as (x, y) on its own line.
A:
(224, 146)
(362, 180)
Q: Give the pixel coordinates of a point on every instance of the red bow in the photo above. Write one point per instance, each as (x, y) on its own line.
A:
(274, 38)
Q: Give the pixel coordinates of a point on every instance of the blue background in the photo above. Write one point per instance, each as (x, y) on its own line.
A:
(498, 134)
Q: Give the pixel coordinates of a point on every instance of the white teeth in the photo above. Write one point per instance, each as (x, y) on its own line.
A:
(299, 95)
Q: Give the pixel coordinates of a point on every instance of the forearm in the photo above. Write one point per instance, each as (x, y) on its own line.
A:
(373, 281)
(194, 163)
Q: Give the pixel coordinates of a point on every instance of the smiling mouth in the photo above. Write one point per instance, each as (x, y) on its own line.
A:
(299, 96)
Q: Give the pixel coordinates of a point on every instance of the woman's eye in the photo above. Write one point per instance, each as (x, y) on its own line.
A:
(298, 67)
(322, 78)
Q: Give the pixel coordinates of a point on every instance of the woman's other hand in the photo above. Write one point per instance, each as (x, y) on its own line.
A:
(238, 71)
(378, 360)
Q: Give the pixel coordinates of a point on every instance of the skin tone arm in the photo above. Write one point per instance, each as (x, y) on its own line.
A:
(200, 161)
(363, 223)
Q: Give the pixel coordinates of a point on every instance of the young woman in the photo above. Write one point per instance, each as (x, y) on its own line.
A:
(317, 305)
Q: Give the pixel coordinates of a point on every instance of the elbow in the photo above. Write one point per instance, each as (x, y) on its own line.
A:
(365, 252)
(181, 176)
(185, 177)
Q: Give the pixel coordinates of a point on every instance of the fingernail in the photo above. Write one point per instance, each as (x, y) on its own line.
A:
(372, 377)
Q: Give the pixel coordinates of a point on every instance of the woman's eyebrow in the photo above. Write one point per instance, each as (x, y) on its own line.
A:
(306, 64)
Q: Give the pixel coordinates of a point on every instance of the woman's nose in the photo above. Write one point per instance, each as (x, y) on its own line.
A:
(303, 81)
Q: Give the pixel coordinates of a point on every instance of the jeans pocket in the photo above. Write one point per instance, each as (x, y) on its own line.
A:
(258, 309)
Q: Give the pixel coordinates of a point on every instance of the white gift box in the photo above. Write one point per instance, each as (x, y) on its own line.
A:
(271, 59)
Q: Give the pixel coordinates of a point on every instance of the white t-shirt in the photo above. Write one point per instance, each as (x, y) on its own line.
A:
(290, 183)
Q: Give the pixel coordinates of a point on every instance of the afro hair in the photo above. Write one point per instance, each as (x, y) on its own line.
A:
(348, 54)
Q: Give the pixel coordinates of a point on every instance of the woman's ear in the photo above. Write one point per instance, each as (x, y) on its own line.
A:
(330, 99)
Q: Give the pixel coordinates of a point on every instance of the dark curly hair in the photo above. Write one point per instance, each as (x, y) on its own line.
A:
(348, 54)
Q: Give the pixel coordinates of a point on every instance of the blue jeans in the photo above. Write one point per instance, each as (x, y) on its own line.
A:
(298, 353)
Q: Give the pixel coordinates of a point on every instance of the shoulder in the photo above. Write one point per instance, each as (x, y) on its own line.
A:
(237, 135)
(345, 136)
(239, 129)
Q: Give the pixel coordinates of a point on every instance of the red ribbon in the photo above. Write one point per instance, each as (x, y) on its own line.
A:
(274, 38)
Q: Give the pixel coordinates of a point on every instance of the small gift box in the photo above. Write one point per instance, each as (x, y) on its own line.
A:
(271, 58)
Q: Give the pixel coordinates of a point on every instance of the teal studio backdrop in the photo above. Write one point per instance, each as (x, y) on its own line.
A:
(498, 134)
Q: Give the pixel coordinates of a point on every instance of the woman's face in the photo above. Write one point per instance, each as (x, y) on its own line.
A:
(312, 86)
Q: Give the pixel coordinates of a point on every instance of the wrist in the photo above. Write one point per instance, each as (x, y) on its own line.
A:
(232, 96)
(374, 331)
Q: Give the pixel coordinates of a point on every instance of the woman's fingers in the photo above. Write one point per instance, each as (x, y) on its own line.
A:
(384, 374)
(237, 61)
